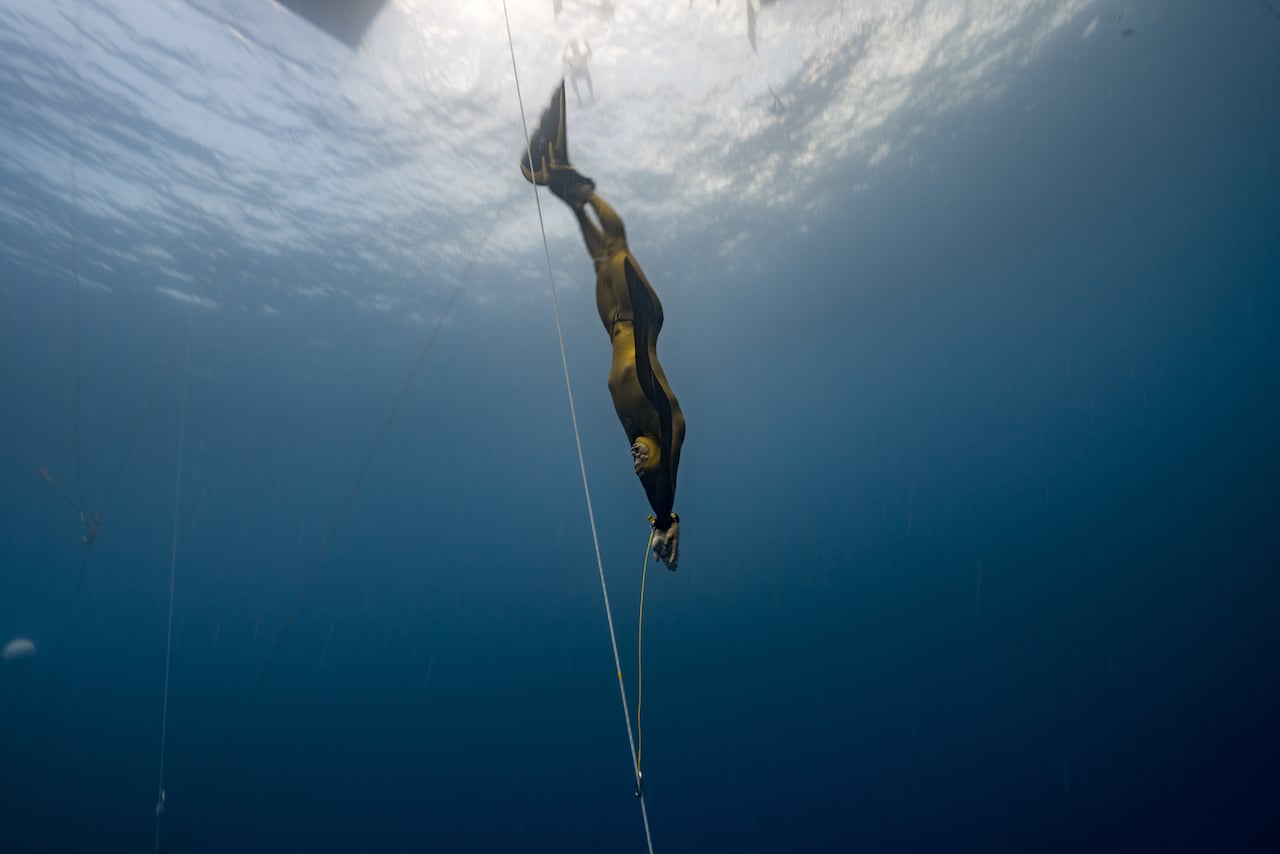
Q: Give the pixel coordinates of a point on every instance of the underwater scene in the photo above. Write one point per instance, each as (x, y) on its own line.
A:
(639, 426)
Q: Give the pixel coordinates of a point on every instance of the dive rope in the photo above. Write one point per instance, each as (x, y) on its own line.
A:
(577, 437)
(644, 571)
(173, 574)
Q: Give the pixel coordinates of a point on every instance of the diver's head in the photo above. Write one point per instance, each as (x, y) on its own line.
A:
(645, 455)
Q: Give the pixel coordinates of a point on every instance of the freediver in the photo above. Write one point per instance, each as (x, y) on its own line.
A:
(575, 61)
(632, 315)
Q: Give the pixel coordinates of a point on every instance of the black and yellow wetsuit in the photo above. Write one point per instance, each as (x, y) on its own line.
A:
(629, 309)
(632, 315)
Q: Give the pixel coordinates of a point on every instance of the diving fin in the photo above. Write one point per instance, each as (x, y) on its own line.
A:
(546, 162)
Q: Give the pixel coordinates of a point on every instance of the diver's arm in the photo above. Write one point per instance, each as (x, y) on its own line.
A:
(666, 525)
(660, 490)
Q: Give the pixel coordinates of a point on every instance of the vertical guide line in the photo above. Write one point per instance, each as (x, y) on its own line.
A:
(173, 570)
(644, 572)
(278, 638)
(582, 465)
(75, 248)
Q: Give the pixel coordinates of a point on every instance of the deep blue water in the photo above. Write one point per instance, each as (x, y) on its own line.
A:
(981, 524)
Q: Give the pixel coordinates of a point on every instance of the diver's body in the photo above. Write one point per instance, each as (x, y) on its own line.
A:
(632, 315)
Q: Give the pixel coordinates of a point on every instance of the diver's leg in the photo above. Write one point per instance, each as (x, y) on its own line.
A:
(610, 222)
(591, 235)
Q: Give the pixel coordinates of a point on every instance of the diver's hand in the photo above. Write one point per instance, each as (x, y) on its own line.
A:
(639, 456)
(666, 545)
